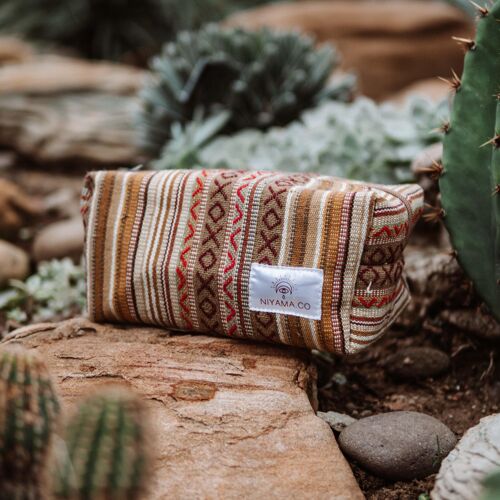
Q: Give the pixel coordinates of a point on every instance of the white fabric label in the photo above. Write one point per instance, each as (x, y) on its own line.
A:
(295, 291)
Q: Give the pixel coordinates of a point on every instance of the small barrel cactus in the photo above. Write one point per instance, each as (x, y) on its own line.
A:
(263, 78)
(107, 449)
(29, 409)
(470, 180)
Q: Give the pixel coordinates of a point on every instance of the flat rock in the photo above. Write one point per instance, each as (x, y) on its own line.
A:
(14, 263)
(232, 419)
(56, 109)
(413, 363)
(475, 457)
(49, 74)
(59, 239)
(399, 446)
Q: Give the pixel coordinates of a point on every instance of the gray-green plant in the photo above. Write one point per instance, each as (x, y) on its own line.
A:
(56, 290)
(360, 140)
(470, 177)
(491, 486)
(29, 410)
(108, 451)
(262, 78)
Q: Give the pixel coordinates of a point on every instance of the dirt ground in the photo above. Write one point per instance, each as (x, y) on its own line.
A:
(359, 386)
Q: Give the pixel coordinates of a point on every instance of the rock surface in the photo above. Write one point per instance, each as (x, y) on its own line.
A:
(14, 50)
(412, 363)
(15, 206)
(49, 74)
(475, 457)
(399, 446)
(440, 289)
(473, 321)
(14, 263)
(337, 421)
(389, 44)
(58, 109)
(60, 239)
(232, 419)
(429, 88)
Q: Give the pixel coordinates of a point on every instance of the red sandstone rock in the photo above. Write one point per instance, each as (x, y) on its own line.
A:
(233, 419)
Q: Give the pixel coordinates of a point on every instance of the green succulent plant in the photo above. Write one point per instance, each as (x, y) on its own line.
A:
(29, 409)
(262, 78)
(107, 449)
(55, 291)
(470, 177)
(491, 490)
(359, 140)
(110, 29)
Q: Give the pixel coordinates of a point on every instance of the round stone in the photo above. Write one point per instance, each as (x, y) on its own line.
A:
(60, 239)
(399, 446)
(414, 363)
(14, 263)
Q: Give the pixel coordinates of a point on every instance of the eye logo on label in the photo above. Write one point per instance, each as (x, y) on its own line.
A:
(295, 291)
(283, 286)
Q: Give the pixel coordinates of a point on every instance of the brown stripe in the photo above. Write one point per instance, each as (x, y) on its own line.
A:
(143, 195)
(100, 243)
(297, 256)
(329, 255)
(123, 251)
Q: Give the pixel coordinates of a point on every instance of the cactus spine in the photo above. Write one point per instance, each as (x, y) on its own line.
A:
(29, 409)
(107, 449)
(471, 177)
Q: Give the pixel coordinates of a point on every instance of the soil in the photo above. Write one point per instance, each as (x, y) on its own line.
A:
(359, 386)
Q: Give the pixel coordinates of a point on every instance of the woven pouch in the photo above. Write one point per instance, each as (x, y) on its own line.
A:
(298, 259)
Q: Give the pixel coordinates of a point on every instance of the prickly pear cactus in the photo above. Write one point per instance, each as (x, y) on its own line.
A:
(470, 181)
(107, 449)
(28, 412)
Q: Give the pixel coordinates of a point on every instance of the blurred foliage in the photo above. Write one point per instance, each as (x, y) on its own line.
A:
(361, 140)
(124, 30)
(57, 290)
(262, 78)
(491, 487)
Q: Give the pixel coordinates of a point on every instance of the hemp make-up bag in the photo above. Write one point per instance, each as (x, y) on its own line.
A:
(298, 259)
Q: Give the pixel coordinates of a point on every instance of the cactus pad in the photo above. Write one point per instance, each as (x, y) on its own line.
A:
(28, 411)
(471, 159)
(107, 449)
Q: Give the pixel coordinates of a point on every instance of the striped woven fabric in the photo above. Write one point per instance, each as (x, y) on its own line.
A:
(178, 248)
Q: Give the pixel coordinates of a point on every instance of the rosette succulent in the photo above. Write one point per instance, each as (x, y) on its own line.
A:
(261, 78)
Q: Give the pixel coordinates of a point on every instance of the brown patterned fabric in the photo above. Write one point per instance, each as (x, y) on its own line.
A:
(178, 249)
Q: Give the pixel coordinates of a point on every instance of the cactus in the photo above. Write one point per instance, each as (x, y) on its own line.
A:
(467, 6)
(470, 181)
(263, 78)
(107, 449)
(29, 409)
